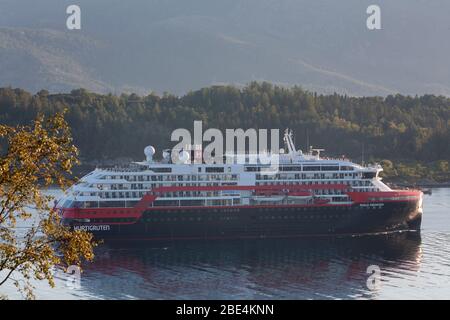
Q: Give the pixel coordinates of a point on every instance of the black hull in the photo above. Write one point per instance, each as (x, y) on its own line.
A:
(254, 222)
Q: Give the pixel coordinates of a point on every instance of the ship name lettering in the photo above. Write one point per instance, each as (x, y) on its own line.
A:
(105, 227)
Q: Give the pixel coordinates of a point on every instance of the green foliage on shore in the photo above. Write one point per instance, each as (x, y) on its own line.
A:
(410, 131)
(416, 172)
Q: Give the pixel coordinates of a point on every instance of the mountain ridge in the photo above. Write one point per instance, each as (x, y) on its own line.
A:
(159, 46)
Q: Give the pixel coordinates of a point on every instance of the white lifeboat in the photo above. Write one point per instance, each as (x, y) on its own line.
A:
(274, 198)
(299, 195)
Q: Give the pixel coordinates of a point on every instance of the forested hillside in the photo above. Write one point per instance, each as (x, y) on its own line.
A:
(403, 129)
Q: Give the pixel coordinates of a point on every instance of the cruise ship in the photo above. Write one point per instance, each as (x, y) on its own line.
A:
(309, 195)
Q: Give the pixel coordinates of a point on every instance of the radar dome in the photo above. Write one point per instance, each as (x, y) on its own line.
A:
(184, 157)
(166, 154)
(149, 151)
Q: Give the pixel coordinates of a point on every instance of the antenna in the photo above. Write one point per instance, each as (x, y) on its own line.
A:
(307, 139)
(288, 141)
(318, 151)
(362, 155)
(293, 140)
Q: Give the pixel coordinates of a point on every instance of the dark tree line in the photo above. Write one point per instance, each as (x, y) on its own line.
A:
(108, 126)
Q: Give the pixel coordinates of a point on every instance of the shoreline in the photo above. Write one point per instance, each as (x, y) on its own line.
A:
(423, 185)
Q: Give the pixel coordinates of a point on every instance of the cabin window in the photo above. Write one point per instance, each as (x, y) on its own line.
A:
(291, 168)
(311, 168)
(162, 170)
(330, 168)
(369, 175)
(214, 169)
(91, 204)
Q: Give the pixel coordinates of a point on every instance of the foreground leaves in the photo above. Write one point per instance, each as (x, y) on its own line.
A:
(32, 239)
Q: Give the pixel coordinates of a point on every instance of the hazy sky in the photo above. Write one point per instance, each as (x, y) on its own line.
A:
(175, 45)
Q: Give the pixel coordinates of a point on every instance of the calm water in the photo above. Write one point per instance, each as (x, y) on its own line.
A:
(412, 266)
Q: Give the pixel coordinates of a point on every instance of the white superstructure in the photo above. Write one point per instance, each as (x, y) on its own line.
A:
(125, 187)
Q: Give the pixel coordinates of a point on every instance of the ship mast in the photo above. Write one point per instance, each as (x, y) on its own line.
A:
(288, 141)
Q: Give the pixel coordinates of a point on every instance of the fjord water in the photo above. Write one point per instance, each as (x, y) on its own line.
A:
(413, 266)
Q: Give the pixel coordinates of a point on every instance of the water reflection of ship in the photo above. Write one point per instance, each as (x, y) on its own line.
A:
(306, 268)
